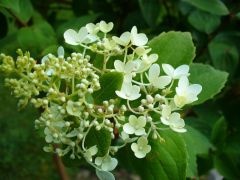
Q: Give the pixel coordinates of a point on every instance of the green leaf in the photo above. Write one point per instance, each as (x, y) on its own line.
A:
(10, 4)
(238, 15)
(151, 11)
(212, 6)
(23, 9)
(219, 132)
(37, 37)
(197, 144)
(206, 115)
(167, 160)
(104, 175)
(228, 165)
(101, 138)
(224, 55)
(203, 21)
(110, 82)
(175, 48)
(212, 80)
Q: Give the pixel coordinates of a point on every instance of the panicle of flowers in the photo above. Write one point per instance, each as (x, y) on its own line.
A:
(63, 86)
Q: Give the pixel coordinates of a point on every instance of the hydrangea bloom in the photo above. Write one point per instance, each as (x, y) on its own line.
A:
(71, 89)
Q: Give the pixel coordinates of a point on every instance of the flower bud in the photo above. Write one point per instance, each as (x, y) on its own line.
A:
(149, 99)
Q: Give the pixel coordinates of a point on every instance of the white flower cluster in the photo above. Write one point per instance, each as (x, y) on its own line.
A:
(70, 114)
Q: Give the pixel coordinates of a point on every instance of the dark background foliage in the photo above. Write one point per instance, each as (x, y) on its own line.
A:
(38, 26)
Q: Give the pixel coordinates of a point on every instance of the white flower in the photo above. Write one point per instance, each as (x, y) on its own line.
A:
(141, 148)
(156, 80)
(106, 163)
(75, 38)
(135, 125)
(74, 108)
(129, 91)
(105, 27)
(185, 93)
(127, 68)
(140, 51)
(124, 136)
(138, 39)
(91, 152)
(92, 28)
(109, 44)
(173, 120)
(146, 62)
(177, 73)
(123, 40)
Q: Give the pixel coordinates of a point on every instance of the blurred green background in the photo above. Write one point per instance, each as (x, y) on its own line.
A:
(38, 26)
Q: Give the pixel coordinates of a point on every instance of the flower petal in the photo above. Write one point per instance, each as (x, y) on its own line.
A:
(162, 82)
(181, 71)
(165, 121)
(128, 128)
(147, 149)
(71, 37)
(82, 34)
(183, 82)
(168, 69)
(140, 132)
(119, 65)
(195, 89)
(142, 121)
(134, 147)
(154, 72)
(139, 154)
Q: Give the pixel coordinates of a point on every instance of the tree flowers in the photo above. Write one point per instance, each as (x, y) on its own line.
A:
(75, 38)
(106, 163)
(177, 73)
(155, 79)
(135, 125)
(173, 120)
(141, 148)
(129, 92)
(143, 95)
(185, 93)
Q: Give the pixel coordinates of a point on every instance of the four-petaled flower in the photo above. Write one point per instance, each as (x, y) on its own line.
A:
(157, 81)
(92, 28)
(124, 39)
(90, 153)
(135, 125)
(141, 148)
(138, 39)
(127, 68)
(146, 62)
(76, 38)
(74, 108)
(106, 163)
(177, 73)
(105, 27)
(173, 120)
(185, 93)
(129, 91)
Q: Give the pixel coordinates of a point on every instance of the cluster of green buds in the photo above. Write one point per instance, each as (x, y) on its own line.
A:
(63, 88)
